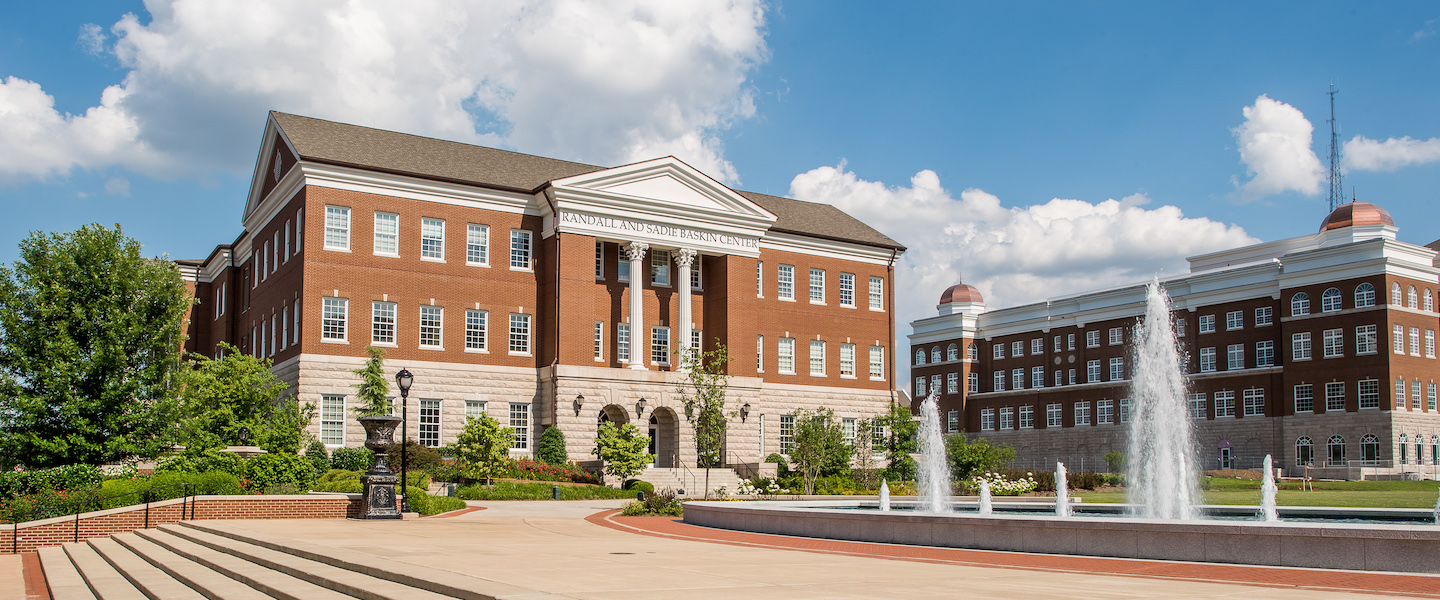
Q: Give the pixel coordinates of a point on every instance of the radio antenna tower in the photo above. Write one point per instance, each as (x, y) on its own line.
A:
(1337, 190)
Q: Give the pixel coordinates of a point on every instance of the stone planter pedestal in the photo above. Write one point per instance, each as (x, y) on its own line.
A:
(379, 482)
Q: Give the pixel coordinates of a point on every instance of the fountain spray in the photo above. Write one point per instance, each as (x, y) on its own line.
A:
(1161, 463)
(934, 475)
(1267, 492)
(1062, 491)
(985, 504)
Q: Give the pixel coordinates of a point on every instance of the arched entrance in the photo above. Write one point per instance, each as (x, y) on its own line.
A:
(664, 437)
(612, 413)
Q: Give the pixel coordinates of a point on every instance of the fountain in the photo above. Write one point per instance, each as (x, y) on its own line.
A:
(986, 506)
(884, 495)
(1161, 465)
(1267, 493)
(1062, 491)
(934, 475)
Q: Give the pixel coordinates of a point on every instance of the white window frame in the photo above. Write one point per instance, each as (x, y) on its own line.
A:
(334, 320)
(477, 245)
(520, 334)
(432, 239)
(1104, 412)
(520, 424)
(1234, 319)
(1224, 404)
(622, 342)
(817, 286)
(785, 356)
(598, 345)
(1234, 357)
(1253, 401)
(1303, 397)
(817, 358)
(332, 420)
(847, 290)
(785, 283)
(1092, 371)
(1027, 416)
(877, 363)
(1117, 336)
(1332, 342)
(337, 228)
(1207, 360)
(877, 293)
(659, 345)
(1300, 346)
(1054, 415)
(433, 425)
(1092, 338)
(1264, 315)
(1081, 416)
(660, 268)
(847, 360)
(1007, 418)
(1117, 368)
(382, 321)
(477, 334)
(1367, 339)
(1207, 324)
(522, 250)
(387, 234)
(435, 329)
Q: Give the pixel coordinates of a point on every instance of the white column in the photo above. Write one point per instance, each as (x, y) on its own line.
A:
(684, 258)
(638, 332)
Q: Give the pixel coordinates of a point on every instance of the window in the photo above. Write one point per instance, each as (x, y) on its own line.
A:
(1092, 371)
(477, 244)
(476, 321)
(1207, 360)
(1017, 348)
(1414, 341)
(622, 269)
(1415, 394)
(474, 409)
(1207, 323)
(598, 341)
(952, 383)
(1059, 378)
(1104, 412)
(1117, 369)
(285, 324)
(1300, 346)
(1037, 377)
(1007, 417)
(1196, 403)
(287, 245)
(1082, 412)
(847, 290)
(1117, 336)
(1052, 415)
(1370, 448)
(1304, 395)
(1070, 376)
(1264, 316)
(1126, 405)
(1056, 345)
(1304, 452)
(1364, 295)
(622, 342)
(1017, 379)
(337, 228)
(1069, 341)
(919, 356)
(847, 431)
(952, 352)
(1330, 300)
(520, 423)
(1399, 393)
(1410, 298)
(659, 267)
(1037, 346)
(1399, 335)
(1430, 396)
(1234, 319)
(987, 419)
(274, 331)
(817, 286)
(760, 279)
(817, 358)
(387, 233)
(1429, 343)
(660, 345)
(972, 351)
(519, 333)
(1429, 303)
(1367, 339)
(952, 419)
(1092, 339)
(1300, 304)
(972, 383)
(1335, 394)
(1224, 404)
(429, 423)
(519, 249)
(877, 288)
(1027, 417)
(1265, 353)
(295, 339)
(382, 322)
(786, 360)
(695, 278)
(1234, 357)
(432, 320)
(1254, 402)
(1334, 342)
(919, 386)
(847, 360)
(877, 362)
(997, 350)
(1335, 450)
(935, 354)
(1179, 326)
(333, 317)
(1403, 444)
(785, 286)
(1395, 293)
(332, 419)
(787, 433)
(697, 340)
(760, 353)
(998, 384)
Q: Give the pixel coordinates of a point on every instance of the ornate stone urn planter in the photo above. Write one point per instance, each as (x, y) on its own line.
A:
(379, 482)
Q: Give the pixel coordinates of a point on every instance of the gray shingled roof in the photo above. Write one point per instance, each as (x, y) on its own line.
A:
(352, 145)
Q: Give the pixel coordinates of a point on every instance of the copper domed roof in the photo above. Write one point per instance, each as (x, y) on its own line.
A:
(961, 292)
(1356, 213)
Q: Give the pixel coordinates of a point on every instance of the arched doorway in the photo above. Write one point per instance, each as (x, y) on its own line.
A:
(664, 437)
(612, 413)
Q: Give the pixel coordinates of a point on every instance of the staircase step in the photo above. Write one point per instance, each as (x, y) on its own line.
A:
(440, 581)
(276, 584)
(206, 581)
(62, 576)
(339, 579)
(154, 583)
(103, 579)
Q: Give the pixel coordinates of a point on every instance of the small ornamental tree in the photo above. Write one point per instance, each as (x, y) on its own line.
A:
(974, 457)
(900, 443)
(866, 465)
(483, 448)
(551, 448)
(624, 450)
(818, 444)
(703, 394)
(221, 396)
(373, 391)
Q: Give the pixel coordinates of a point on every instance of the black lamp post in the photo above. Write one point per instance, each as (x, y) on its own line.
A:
(403, 379)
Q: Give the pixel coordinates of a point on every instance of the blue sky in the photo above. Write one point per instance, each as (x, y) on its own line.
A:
(1030, 148)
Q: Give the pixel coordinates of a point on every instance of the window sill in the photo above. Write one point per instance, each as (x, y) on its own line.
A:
(432, 260)
(514, 353)
(783, 299)
(787, 372)
(847, 376)
(477, 350)
(325, 341)
(475, 264)
(849, 306)
(879, 310)
(817, 374)
(434, 348)
(386, 255)
(818, 303)
(525, 269)
(383, 344)
(874, 378)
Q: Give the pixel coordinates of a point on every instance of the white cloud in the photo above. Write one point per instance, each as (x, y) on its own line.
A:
(1274, 144)
(37, 142)
(92, 38)
(1020, 254)
(1365, 154)
(118, 186)
(566, 78)
(1426, 30)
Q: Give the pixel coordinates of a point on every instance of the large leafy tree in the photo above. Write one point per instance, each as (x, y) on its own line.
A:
(483, 448)
(237, 391)
(819, 445)
(90, 341)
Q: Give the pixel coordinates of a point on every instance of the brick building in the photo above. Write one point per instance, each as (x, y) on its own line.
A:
(1318, 350)
(542, 292)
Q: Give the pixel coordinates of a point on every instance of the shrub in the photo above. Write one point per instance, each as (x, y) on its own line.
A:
(352, 459)
(210, 460)
(45, 504)
(318, 457)
(551, 448)
(418, 457)
(444, 504)
(782, 467)
(343, 486)
(903, 468)
(418, 500)
(636, 485)
(660, 505)
(69, 477)
(446, 471)
(1001, 485)
(268, 470)
(525, 468)
(510, 490)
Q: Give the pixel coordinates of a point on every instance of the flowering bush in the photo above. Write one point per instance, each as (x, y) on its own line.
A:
(526, 468)
(759, 487)
(1000, 485)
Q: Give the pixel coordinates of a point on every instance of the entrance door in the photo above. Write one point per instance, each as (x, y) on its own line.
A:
(1226, 460)
(654, 432)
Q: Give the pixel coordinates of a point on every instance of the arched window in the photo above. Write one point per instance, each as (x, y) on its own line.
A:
(1395, 293)
(1304, 452)
(1300, 304)
(1369, 449)
(952, 352)
(1364, 295)
(1330, 300)
(1435, 449)
(1335, 451)
(1411, 298)
(974, 351)
(1404, 449)
(935, 354)
(1429, 300)
(919, 356)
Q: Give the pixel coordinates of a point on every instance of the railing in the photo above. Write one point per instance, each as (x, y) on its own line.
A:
(188, 500)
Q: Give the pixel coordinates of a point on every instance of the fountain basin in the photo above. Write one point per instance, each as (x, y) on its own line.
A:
(1404, 548)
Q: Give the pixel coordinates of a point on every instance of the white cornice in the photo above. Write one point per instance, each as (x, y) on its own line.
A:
(799, 244)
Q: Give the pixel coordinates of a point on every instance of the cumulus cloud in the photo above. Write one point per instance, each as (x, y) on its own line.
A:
(1365, 154)
(611, 84)
(1274, 144)
(37, 142)
(1015, 254)
(92, 39)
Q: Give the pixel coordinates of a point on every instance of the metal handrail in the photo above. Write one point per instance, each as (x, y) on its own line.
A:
(186, 500)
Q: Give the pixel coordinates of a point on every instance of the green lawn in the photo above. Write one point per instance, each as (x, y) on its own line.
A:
(1374, 494)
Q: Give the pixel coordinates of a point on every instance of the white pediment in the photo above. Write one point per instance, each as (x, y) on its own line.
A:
(667, 187)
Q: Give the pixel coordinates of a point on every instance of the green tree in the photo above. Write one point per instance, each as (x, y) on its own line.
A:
(90, 341)
(971, 457)
(866, 467)
(483, 448)
(819, 445)
(220, 396)
(551, 448)
(373, 391)
(703, 394)
(900, 443)
(623, 448)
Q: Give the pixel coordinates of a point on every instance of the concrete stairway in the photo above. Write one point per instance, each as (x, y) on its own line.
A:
(209, 561)
(690, 480)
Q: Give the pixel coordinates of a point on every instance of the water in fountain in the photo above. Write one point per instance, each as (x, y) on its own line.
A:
(985, 506)
(1062, 491)
(934, 475)
(1267, 492)
(1161, 463)
(884, 495)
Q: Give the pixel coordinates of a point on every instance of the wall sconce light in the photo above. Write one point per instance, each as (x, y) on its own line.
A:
(744, 411)
(640, 407)
(579, 403)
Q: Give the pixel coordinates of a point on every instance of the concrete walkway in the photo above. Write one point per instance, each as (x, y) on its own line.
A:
(550, 547)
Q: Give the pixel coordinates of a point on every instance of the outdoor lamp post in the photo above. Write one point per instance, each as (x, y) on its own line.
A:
(579, 403)
(640, 407)
(403, 379)
(744, 411)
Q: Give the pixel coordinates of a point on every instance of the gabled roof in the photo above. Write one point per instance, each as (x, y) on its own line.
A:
(819, 219)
